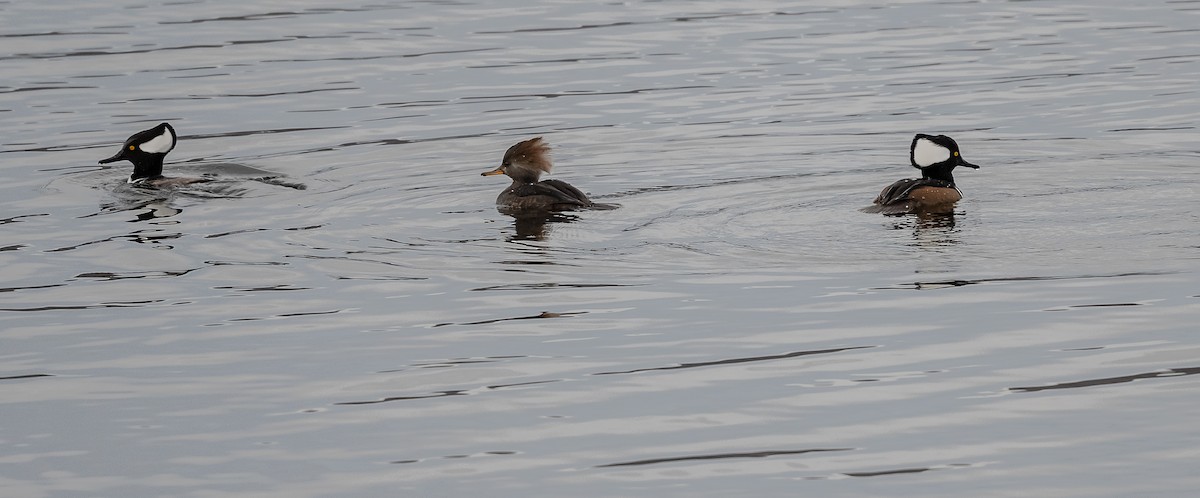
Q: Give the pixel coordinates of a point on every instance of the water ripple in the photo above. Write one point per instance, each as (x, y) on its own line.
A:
(732, 361)
(720, 456)
(1171, 372)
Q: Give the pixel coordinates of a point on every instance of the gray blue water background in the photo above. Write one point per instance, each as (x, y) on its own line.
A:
(737, 327)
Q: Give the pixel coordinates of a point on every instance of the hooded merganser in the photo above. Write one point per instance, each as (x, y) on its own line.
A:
(146, 150)
(936, 156)
(524, 163)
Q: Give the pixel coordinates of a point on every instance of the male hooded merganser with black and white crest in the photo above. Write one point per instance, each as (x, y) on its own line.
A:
(524, 163)
(935, 192)
(146, 150)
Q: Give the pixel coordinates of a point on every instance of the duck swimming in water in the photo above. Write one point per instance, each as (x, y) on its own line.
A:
(936, 156)
(524, 163)
(146, 150)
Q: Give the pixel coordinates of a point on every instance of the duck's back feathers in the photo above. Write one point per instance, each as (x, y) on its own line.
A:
(550, 195)
(902, 189)
(912, 195)
(559, 191)
(567, 191)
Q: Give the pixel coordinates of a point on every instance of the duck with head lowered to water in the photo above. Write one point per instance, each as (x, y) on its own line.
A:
(524, 163)
(934, 193)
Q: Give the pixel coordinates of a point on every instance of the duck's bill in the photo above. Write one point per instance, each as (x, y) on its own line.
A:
(497, 171)
(967, 164)
(119, 156)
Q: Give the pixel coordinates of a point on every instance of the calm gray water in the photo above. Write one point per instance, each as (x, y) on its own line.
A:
(367, 324)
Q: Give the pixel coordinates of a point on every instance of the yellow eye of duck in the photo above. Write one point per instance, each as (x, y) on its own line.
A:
(132, 147)
(956, 153)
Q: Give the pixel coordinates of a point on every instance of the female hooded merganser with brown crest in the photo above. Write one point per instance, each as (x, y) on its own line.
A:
(146, 150)
(524, 163)
(936, 156)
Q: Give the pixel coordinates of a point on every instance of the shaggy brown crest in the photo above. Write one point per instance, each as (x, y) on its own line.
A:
(530, 154)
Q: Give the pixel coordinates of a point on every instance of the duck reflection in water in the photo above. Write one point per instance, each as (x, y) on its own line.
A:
(535, 225)
(144, 209)
(935, 221)
(156, 203)
(930, 229)
(155, 210)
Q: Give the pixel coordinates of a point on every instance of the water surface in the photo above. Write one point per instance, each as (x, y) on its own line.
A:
(736, 327)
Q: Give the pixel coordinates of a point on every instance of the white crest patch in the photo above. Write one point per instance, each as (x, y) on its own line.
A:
(926, 153)
(160, 144)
